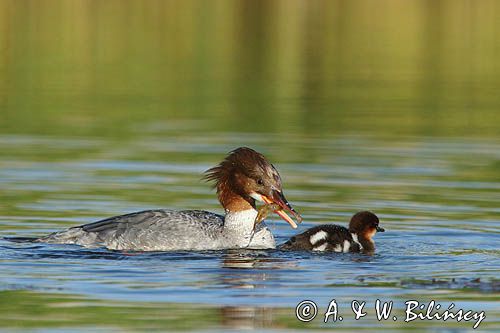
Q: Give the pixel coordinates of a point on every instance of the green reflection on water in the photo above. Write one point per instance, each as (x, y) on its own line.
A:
(121, 74)
(120, 68)
(28, 309)
(35, 309)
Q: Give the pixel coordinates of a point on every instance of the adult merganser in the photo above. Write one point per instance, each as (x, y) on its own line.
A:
(243, 177)
(330, 237)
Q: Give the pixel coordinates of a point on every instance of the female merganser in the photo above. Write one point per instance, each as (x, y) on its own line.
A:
(243, 177)
(331, 237)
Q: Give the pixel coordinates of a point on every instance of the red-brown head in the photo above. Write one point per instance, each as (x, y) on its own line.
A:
(365, 224)
(245, 176)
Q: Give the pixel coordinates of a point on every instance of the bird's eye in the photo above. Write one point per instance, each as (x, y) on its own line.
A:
(260, 182)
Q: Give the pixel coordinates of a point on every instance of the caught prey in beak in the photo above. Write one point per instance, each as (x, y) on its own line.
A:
(279, 205)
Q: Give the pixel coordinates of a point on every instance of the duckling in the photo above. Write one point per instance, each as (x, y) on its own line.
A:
(330, 237)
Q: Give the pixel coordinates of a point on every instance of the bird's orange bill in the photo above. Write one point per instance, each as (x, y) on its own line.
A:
(280, 200)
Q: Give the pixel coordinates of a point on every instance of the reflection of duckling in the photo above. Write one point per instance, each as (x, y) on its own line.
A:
(331, 237)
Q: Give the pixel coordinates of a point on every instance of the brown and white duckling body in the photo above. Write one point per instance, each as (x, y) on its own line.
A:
(331, 237)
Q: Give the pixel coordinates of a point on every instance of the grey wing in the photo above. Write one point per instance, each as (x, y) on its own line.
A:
(154, 220)
(112, 227)
(140, 230)
(166, 230)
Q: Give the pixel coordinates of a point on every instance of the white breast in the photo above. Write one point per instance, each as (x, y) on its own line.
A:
(239, 231)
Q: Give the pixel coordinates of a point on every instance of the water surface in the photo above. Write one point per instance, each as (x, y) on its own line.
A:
(441, 241)
(114, 107)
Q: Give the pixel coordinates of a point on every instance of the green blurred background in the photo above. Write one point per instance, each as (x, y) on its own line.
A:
(113, 106)
(122, 68)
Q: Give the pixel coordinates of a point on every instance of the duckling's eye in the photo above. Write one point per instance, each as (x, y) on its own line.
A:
(260, 182)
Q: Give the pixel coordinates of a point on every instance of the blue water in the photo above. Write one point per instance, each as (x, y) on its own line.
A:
(437, 200)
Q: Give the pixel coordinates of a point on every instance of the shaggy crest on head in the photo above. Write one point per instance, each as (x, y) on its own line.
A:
(243, 162)
(245, 176)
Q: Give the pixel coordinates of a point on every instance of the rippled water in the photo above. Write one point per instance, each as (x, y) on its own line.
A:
(437, 199)
(109, 107)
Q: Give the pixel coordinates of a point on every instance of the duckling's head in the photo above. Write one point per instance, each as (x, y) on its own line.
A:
(365, 224)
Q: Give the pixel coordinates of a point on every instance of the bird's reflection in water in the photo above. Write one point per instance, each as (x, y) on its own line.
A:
(244, 259)
(255, 259)
(248, 317)
(248, 268)
(256, 273)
